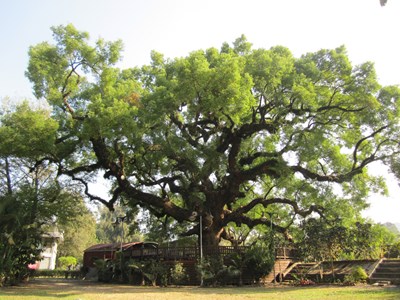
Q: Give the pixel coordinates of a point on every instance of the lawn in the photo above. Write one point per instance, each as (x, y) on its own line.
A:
(81, 290)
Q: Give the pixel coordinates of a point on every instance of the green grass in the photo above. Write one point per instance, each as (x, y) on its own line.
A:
(74, 290)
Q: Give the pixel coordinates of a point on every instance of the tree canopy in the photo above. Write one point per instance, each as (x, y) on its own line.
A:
(340, 241)
(79, 232)
(32, 201)
(231, 134)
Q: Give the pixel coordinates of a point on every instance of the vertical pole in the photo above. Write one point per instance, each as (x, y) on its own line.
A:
(122, 238)
(201, 237)
(273, 248)
(201, 247)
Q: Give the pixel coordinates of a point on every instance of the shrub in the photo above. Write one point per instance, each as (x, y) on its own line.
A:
(259, 261)
(56, 273)
(49, 273)
(178, 274)
(218, 271)
(67, 262)
(157, 272)
(151, 270)
(357, 275)
(209, 269)
(253, 264)
(105, 270)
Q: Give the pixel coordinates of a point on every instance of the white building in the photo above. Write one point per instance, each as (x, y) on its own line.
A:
(50, 242)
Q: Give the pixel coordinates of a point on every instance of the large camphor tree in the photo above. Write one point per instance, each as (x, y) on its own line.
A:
(237, 135)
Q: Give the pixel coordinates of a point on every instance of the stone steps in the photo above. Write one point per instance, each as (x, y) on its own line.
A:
(387, 271)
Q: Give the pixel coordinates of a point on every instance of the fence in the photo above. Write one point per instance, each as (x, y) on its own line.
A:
(193, 253)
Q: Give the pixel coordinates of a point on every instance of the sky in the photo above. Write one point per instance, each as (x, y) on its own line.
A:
(177, 27)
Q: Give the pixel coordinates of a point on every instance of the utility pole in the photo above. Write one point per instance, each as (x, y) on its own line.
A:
(201, 247)
(120, 221)
(193, 218)
(273, 242)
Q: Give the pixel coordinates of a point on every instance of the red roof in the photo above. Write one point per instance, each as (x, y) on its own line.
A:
(114, 246)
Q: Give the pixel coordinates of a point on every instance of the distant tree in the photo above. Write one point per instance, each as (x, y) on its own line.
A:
(19, 239)
(344, 239)
(108, 231)
(31, 199)
(394, 250)
(392, 228)
(323, 241)
(382, 241)
(164, 230)
(79, 232)
(66, 262)
(31, 204)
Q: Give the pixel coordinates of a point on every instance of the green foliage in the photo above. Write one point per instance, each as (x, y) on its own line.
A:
(20, 237)
(27, 132)
(67, 262)
(107, 270)
(255, 263)
(31, 200)
(108, 232)
(259, 261)
(394, 250)
(163, 230)
(100, 263)
(212, 270)
(323, 241)
(382, 239)
(178, 274)
(19, 242)
(358, 274)
(57, 273)
(24, 217)
(79, 232)
(353, 239)
(156, 272)
(392, 228)
(71, 54)
(151, 270)
(231, 134)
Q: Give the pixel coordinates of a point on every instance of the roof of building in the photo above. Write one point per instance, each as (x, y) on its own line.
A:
(116, 246)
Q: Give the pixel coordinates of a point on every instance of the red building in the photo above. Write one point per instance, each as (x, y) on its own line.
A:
(108, 251)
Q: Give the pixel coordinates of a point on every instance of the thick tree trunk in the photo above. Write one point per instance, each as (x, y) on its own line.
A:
(212, 224)
(211, 239)
(211, 236)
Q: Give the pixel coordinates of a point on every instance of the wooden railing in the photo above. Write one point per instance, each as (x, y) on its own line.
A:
(193, 253)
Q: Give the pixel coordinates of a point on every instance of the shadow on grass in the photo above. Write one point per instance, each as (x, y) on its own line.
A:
(75, 289)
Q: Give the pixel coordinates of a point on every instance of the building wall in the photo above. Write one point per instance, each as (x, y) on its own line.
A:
(49, 254)
(90, 257)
